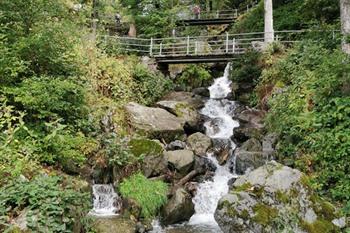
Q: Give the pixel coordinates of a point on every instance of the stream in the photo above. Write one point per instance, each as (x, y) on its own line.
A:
(220, 126)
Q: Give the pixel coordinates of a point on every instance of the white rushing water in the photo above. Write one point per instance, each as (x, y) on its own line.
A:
(106, 202)
(220, 126)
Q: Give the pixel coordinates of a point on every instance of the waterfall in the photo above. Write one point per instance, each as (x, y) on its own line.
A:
(219, 126)
(105, 201)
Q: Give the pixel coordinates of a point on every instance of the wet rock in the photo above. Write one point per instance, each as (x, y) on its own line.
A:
(269, 143)
(202, 91)
(199, 143)
(246, 131)
(114, 224)
(181, 160)
(251, 145)
(154, 122)
(222, 149)
(203, 164)
(272, 194)
(179, 208)
(176, 145)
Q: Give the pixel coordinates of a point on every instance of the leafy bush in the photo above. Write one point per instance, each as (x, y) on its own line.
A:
(50, 98)
(150, 195)
(152, 86)
(310, 96)
(246, 68)
(51, 205)
(194, 76)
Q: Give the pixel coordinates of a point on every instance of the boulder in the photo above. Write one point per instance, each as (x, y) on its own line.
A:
(154, 122)
(176, 145)
(181, 160)
(179, 208)
(253, 116)
(153, 163)
(269, 144)
(274, 198)
(113, 224)
(199, 143)
(250, 156)
(192, 100)
(182, 110)
(245, 131)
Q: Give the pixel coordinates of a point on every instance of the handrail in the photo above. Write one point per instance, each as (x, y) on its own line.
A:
(204, 45)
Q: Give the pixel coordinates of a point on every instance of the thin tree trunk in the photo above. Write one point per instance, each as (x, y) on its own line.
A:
(345, 24)
(269, 32)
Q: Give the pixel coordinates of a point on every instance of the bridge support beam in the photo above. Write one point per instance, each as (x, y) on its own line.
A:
(269, 32)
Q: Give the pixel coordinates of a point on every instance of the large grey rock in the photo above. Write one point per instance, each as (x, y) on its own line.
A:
(194, 101)
(274, 198)
(184, 111)
(252, 116)
(154, 165)
(181, 160)
(154, 122)
(199, 143)
(250, 156)
(179, 208)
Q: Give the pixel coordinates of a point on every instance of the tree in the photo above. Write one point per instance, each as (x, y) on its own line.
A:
(269, 32)
(345, 24)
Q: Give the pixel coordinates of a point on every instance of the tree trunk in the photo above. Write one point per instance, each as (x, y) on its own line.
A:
(269, 32)
(345, 24)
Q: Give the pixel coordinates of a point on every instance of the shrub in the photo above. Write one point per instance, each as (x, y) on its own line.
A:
(50, 98)
(152, 86)
(310, 98)
(150, 195)
(194, 76)
(51, 205)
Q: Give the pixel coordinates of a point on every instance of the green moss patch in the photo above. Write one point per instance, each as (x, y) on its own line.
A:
(319, 226)
(264, 214)
(145, 147)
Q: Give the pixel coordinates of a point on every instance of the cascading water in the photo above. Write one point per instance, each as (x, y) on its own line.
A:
(219, 126)
(106, 202)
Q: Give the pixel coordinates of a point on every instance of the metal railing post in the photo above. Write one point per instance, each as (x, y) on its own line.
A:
(160, 48)
(226, 42)
(196, 47)
(151, 48)
(247, 8)
(233, 45)
(188, 45)
(217, 14)
(333, 34)
(236, 13)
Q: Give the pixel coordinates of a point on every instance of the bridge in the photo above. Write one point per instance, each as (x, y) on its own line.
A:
(206, 49)
(214, 17)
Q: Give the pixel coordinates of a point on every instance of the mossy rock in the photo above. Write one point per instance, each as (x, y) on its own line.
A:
(146, 147)
(319, 226)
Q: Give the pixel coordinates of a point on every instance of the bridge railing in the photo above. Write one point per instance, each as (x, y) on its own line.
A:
(219, 14)
(209, 45)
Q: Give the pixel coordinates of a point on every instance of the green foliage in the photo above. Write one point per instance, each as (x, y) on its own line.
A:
(50, 98)
(51, 205)
(194, 76)
(311, 99)
(150, 195)
(145, 147)
(152, 85)
(118, 152)
(247, 67)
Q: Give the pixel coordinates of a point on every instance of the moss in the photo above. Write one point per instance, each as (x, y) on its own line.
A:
(264, 214)
(243, 187)
(282, 197)
(305, 181)
(232, 212)
(323, 208)
(244, 214)
(181, 108)
(319, 226)
(145, 147)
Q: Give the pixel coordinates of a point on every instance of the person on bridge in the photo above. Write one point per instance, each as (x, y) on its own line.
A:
(197, 11)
